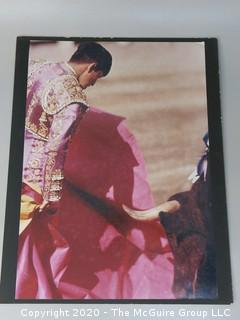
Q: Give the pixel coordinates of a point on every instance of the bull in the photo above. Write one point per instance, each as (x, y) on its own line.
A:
(186, 217)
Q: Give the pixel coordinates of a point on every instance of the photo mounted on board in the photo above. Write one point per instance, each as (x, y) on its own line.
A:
(116, 183)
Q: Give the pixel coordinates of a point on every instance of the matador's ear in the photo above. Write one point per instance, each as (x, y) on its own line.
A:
(92, 67)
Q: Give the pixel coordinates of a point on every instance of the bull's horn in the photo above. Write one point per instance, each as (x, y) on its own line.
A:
(151, 214)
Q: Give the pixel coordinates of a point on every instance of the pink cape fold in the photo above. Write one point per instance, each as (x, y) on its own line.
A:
(90, 249)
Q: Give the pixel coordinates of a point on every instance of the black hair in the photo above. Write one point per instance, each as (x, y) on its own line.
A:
(93, 52)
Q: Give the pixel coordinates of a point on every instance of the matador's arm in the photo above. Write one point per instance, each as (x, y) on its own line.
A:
(63, 125)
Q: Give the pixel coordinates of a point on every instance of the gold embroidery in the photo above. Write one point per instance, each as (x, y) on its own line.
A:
(56, 186)
(37, 172)
(56, 95)
(54, 177)
(31, 106)
(43, 117)
(33, 129)
(35, 163)
(33, 176)
(48, 170)
(50, 101)
(57, 174)
(41, 131)
(60, 92)
(54, 196)
(38, 146)
(33, 172)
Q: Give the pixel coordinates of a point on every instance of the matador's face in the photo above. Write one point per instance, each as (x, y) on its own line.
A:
(89, 76)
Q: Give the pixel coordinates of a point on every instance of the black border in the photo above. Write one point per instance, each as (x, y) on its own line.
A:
(9, 256)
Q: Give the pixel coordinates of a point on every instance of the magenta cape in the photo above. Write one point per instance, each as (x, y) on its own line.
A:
(90, 249)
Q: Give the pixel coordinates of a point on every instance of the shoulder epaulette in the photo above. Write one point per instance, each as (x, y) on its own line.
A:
(60, 92)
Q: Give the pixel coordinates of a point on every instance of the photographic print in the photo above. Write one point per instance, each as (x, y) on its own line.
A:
(116, 181)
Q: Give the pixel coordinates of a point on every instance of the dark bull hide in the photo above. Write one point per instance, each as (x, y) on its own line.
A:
(191, 237)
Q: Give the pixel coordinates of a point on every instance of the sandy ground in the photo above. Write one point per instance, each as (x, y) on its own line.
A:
(160, 89)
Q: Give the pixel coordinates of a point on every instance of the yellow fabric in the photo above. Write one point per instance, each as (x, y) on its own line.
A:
(34, 186)
(28, 205)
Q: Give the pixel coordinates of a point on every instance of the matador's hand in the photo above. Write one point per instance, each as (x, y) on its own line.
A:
(48, 207)
(43, 206)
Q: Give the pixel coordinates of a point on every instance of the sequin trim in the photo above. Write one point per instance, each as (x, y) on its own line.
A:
(60, 92)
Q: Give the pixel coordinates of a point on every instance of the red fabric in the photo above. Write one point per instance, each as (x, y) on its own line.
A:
(90, 249)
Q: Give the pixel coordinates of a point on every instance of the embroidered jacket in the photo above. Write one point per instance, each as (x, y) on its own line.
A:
(55, 104)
